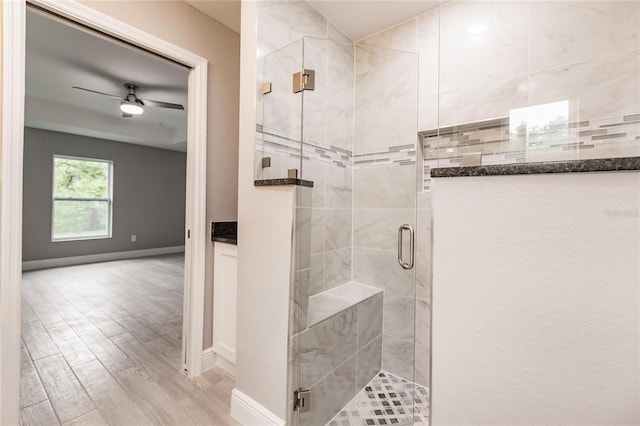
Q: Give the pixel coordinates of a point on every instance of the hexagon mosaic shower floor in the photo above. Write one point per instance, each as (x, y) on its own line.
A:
(386, 400)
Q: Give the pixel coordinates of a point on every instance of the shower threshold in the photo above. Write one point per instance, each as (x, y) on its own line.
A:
(386, 400)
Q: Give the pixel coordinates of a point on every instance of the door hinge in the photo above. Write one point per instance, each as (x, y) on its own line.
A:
(305, 80)
(302, 400)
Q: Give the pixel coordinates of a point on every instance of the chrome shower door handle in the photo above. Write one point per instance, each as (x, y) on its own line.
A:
(401, 229)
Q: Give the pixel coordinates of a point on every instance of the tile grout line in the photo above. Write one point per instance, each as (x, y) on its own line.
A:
(95, 406)
(42, 383)
(64, 359)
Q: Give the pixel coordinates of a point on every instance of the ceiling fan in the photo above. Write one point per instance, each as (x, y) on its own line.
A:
(130, 104)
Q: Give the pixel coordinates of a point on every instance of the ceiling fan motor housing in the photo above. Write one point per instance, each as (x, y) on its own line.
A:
(131, 105)
(131, 96)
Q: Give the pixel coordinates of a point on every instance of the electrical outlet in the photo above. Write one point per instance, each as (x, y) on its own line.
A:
(133, 238)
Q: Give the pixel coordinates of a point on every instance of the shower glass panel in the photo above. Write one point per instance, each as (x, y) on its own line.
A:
(353, 329)
(279, 119)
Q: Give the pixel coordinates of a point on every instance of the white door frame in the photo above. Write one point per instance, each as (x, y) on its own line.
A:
(11, 163)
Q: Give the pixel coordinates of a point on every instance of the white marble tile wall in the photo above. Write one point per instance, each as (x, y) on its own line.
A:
(331, 394)
(492, 36)
(281, 108)
(384, 188)
(326, 345)
(384, 199)
(293, 35)
(386, 99)
(369, 362)
(476, 60)
(384, 182)
(328, 357)
(481, 59)
(339, 95)
(301, 266)
(576, 32)
(428, 48)
(337, 356)
(328, 122)
(603, 87)
(422, 356)
(283, 22)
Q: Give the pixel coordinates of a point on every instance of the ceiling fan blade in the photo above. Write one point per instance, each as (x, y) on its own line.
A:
(98, 93)
(159, 104)
(125, 115)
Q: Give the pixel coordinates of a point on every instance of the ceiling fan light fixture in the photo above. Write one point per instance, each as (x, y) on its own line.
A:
(132, 108)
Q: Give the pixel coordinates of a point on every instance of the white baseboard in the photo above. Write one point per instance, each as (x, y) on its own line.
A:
(251, 413)
(226, 365)
(102, 257)
(208, 359)
(211, 359)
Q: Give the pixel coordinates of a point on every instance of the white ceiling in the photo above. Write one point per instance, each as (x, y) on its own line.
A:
(356, 18)
(60, 56)
(361, 18)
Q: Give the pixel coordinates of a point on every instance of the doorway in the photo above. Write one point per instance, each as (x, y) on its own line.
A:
(12, 165)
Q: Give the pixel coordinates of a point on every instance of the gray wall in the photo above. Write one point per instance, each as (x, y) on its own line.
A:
(148, 195)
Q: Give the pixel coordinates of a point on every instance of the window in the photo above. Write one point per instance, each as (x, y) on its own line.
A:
(540, 127)
(81, 198)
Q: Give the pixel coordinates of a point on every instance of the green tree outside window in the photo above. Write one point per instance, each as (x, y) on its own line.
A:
(81, 198)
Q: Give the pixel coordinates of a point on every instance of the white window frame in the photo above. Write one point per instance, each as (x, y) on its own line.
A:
(109, 200)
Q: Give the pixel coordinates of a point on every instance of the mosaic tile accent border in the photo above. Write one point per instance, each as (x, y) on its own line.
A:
(493, 138)
(270, 142)
(394, 156)
(386, 400)
(445, 147)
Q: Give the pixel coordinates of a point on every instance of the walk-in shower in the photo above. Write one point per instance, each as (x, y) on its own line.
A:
(358, 126)
(359, 320)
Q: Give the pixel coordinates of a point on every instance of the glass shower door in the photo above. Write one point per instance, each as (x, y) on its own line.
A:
(387, 234)
(353, 348)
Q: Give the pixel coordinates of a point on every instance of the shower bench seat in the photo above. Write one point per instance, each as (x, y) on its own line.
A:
(340, 350)
(324, 305)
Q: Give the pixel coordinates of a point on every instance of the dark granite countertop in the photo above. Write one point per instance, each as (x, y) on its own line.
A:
(224, 232)
(597, 165)
(233, 241)
(283, 181)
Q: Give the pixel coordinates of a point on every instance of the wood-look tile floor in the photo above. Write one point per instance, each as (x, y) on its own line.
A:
(101, 344)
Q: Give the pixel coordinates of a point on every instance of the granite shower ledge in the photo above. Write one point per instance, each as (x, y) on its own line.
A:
(328, 303)
(596, 165)
(283, 181)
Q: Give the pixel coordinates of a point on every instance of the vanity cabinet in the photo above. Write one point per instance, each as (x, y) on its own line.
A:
(225, 279)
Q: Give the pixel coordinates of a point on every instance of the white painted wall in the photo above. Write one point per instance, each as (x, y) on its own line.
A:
(265, 215)
(536, 299)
